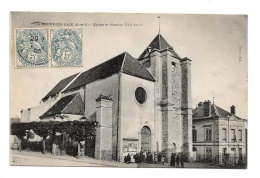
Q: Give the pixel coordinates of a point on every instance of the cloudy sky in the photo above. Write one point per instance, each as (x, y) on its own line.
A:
(216, 44)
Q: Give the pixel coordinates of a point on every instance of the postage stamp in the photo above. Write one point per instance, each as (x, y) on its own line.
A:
(66, 47)
(31, 48)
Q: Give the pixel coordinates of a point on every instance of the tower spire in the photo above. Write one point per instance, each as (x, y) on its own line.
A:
(213, 95)
(159, 24)
(159, 32)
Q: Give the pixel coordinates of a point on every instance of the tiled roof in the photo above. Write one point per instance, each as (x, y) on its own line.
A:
(197, 113)
(132, 67)
(122, 63)
(221, 112)
(159, 43)
(66, 106)
(60, 86)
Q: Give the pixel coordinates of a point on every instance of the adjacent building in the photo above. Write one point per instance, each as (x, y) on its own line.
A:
(219, 136)
(141, 104)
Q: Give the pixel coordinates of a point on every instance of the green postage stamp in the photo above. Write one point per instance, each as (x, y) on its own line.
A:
(45, 47)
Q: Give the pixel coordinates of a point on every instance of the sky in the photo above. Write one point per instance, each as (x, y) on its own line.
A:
(216, 44)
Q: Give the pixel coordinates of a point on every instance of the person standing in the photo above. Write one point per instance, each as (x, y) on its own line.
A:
(125, 159)
(177, 161)
(136, 158)
(128, 158)
(182, 161)
(140, 157)
(145, 156)
(162, 159)
(155, 158)
(131, 158)
(172, 160)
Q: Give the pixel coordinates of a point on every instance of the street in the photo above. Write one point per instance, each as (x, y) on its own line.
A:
(30, 160)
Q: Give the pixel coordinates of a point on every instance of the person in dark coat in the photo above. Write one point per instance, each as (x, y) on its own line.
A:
(125, 159)
(140, 157)
(182, 161)
(177, 161)
(136, 158)
(172, 160)
(128, 158)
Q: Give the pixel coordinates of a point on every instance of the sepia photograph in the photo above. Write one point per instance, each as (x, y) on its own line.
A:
(128, 90)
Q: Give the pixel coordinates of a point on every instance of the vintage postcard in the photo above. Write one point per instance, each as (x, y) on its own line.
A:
(128, 90)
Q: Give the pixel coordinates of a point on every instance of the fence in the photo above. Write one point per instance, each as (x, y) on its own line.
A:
(222, 159)
(231, 159)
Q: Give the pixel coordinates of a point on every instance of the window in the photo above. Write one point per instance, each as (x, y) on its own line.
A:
(232, 135)
(140, 95)
(224, 151)
(208, 150)
(173, 66)
(240, 135)
(208, 134)
(224, 134)
(135, 147)
(194, 135)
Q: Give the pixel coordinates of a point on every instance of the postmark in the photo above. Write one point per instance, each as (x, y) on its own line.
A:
(31, 46)
(66, 47)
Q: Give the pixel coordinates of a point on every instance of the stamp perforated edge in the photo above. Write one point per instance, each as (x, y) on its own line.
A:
(49, 46)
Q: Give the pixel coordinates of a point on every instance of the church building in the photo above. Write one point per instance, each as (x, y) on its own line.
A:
(141, 104)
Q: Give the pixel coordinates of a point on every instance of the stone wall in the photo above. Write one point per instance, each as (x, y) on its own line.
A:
(103, 145)
(186, 107)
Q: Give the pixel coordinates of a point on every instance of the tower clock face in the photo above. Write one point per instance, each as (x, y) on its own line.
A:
(140, 95)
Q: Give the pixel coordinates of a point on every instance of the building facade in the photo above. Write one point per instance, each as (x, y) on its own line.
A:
(219, 136)
(141, 104)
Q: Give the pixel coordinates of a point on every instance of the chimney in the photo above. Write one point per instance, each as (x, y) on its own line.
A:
(207, 108)
(200, 104)
(233, 109)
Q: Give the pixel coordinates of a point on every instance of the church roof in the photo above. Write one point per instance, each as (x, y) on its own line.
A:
(159, 43)
(197, 113)
(60, 86)
(66, 106)
(124, 63)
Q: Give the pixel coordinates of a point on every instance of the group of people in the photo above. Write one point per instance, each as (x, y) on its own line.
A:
(139, 157)
(176, 160)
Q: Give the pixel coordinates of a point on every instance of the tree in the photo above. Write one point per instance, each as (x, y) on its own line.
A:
(76, 130)
(42, 129)
(80, 131)
(20, 130)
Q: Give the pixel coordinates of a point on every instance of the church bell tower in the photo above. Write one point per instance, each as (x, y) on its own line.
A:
(173, 121)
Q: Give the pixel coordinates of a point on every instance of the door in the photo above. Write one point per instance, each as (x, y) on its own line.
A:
(146, 139)
(208, 154)
(240, 155)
